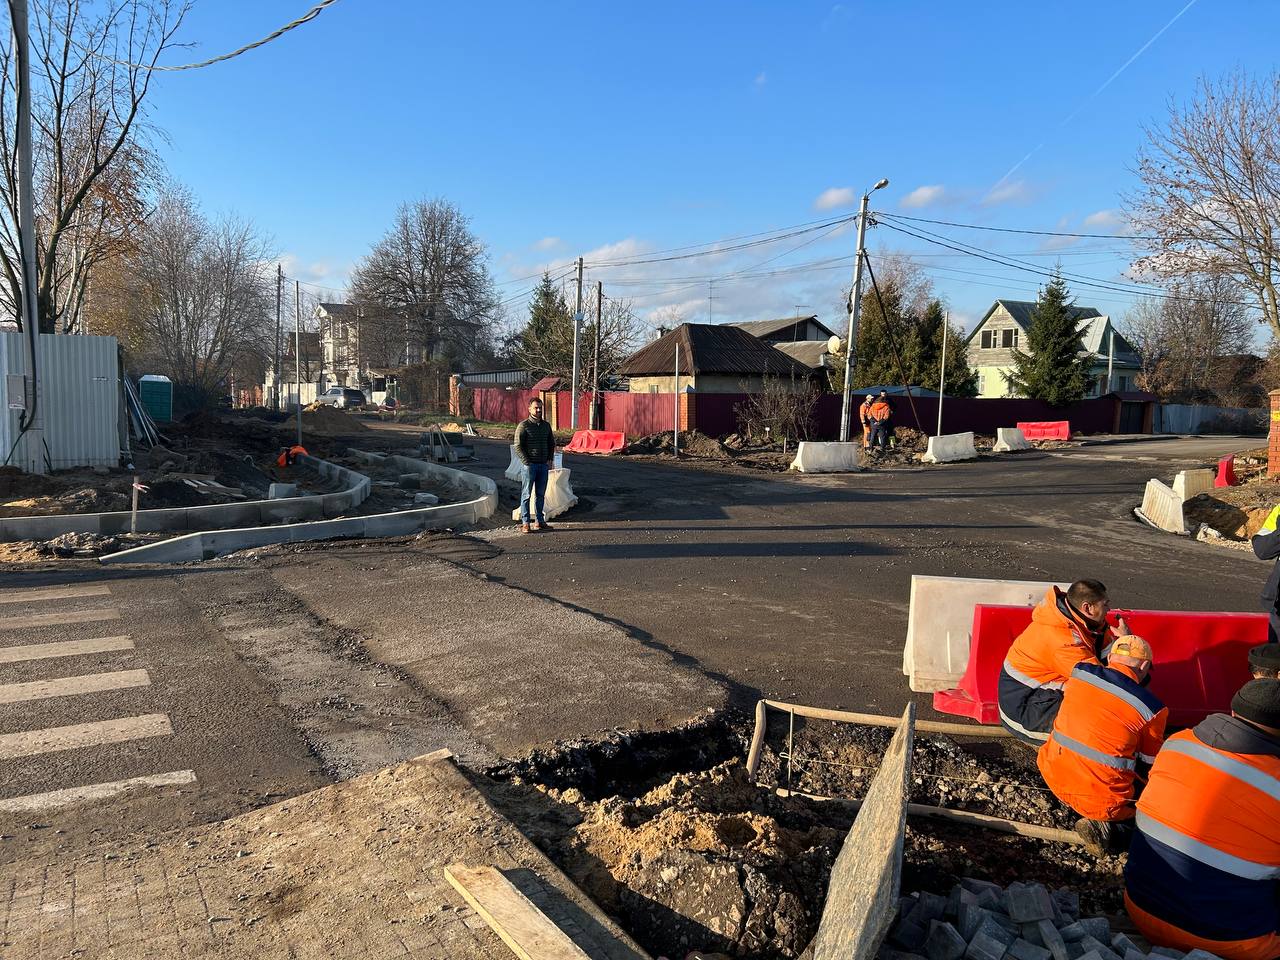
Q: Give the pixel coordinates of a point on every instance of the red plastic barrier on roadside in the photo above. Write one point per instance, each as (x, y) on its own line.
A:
(1046, 429)
(596, 441)
(1201, 659)
(1226, 472)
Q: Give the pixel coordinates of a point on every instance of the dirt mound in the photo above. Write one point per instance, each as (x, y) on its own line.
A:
(326, 421)
(1236, 512)
(692, 444)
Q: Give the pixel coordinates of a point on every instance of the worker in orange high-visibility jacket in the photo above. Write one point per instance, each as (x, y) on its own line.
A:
(864, 417)
(1204, 864)
(1104, 740)
(290, 456)
(1066, 629)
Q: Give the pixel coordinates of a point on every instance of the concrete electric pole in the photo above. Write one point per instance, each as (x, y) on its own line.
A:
(577, 337)
(855, 312)
(595, 357)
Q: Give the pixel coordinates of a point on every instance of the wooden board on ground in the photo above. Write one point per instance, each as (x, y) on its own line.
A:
(862, 897)
(522, 926)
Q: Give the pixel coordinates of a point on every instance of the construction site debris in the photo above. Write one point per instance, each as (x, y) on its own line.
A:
(88, 545)
(671, 836)
(325, 421)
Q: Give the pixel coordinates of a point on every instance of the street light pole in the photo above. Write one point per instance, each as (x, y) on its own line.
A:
(855, 313)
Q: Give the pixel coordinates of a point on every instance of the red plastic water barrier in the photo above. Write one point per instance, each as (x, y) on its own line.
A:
(1045, 429)
(1201, 659)
(596, 441)
(1226, 472)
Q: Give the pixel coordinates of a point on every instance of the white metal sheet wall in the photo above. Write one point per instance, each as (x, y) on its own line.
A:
(79, 403)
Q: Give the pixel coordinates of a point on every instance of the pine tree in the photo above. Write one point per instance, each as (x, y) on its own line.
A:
(545, 344)
(1053, 371)
(926, 367)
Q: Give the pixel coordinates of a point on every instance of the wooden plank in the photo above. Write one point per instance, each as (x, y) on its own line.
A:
(35, 594)
(523, 927)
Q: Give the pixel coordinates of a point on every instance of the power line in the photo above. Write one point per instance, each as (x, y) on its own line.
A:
(275, 34)
(732, 248)
(1043, 233)
(744, 236)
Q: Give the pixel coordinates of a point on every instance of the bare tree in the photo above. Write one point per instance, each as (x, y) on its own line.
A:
(90, 80)
(430, 270)
(1184, 339)
(1210, 191)
(202, 291)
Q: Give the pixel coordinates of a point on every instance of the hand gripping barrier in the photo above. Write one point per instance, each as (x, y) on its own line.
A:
(596, 441)
(1201, 660)
(1046, 429)
(1226, 472)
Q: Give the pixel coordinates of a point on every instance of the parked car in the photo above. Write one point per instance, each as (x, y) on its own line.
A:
(344, 398)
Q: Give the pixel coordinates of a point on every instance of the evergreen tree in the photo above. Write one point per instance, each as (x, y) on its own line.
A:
(926, 357)
(545, 344)
(1053, 371)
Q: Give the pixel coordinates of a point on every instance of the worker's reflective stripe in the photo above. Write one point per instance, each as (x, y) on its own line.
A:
(1202, 852)
(1146, 758)
(1228, 765)
(1116, 691)
(1026, 681)
(1106, 651)
(1089, 753)
(1014, 724)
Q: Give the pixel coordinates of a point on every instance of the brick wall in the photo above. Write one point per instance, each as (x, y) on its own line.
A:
(1273, 438)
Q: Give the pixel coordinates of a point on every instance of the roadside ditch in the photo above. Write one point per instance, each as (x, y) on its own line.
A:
(669, 835)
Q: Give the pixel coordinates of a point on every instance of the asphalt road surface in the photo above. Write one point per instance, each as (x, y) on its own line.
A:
(671, 588)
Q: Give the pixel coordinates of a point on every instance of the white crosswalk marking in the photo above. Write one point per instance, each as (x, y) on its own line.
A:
(97, 791)
(37, 594)
(59, 619)
(30, 743)
(72, 686)
(64, 648)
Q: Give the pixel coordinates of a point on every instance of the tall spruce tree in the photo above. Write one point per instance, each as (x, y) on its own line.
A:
(1053, 371)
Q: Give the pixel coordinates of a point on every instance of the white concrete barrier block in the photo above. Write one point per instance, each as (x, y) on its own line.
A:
(1192, 483)
(559, 497)
(814, 457)
(515, 469)
(1162, 507)
(940, 622)
(1009, 439)
(951, 447)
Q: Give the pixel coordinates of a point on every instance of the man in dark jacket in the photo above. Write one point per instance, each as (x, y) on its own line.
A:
(535, 446)
(1266, 546)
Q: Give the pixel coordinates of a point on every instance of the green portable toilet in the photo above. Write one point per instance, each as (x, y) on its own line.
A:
(156, 394)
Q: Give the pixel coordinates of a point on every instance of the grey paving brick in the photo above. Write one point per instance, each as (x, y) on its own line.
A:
(983, 947)
(1052, 940)
(944, 942)
(1022, 950)
(1029, 902)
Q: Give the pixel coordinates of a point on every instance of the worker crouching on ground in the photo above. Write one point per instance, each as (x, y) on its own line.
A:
(1264, 661)
(1066, 629)
(1104, 740)
(535, 446)
(289, 455)
(1266, 546)
(1204, 865)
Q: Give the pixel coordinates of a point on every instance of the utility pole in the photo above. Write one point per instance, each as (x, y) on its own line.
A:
(855, 312)
(30, 423)
(675, 431)
(1111, 360)
(595, 359)
(275, 386)
(297, 350)
(710, 297)
(577, 336)
(942, 375)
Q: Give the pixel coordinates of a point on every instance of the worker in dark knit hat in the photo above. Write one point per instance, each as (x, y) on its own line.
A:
(1264, 661)
(1204, 866)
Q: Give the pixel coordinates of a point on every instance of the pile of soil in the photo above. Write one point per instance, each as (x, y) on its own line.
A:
(1236, 512)
(697, 857)
(326, 421)
(692, 444)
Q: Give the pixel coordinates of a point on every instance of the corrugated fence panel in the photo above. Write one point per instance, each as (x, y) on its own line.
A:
(1201, 418)
(79, 402)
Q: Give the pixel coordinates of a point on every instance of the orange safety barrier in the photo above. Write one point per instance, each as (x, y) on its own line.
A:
(596, 441)
(1226, 472)
(1046, 429)
(1201, 659)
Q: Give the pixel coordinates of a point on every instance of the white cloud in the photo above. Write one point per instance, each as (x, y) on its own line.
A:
(834, 197)
(761, 79)
(1015, 191)
(1105, 219)
(923, 196)
(547, 243)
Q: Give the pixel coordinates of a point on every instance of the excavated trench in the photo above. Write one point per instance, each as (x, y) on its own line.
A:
(666, 831)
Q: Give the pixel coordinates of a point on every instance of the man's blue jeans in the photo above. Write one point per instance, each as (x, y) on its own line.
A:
(535, 482)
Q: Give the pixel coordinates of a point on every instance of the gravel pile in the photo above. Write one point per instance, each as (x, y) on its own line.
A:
(980, 920)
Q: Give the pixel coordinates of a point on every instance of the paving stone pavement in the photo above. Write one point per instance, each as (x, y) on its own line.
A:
(352, 870)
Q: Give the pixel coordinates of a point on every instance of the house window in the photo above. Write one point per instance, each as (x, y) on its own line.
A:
(1008, 338)
(988, 339)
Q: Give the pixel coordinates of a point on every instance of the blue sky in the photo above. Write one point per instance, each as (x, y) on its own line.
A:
(610, 130)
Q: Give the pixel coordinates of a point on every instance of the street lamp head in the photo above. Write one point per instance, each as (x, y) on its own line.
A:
(883, 182)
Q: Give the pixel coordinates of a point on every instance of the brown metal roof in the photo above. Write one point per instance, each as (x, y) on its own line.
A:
(712, 348)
